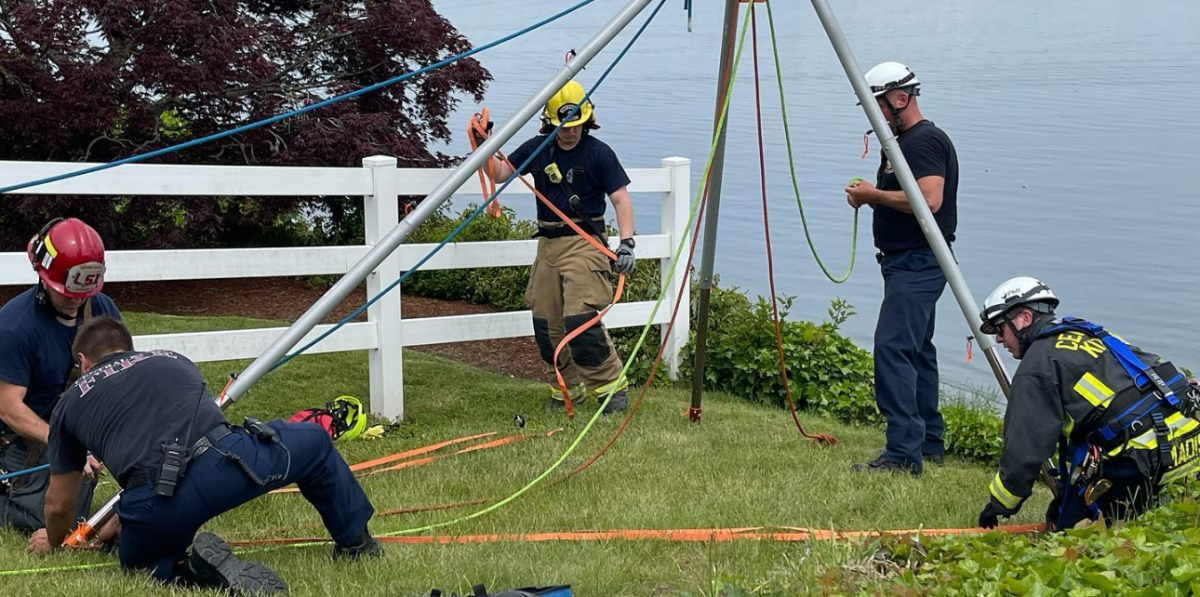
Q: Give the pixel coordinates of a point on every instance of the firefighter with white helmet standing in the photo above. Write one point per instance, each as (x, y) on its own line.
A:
(569, 283)
(906, 372)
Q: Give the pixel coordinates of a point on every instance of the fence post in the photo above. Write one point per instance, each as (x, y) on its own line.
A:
(675, 211)
(381, 213)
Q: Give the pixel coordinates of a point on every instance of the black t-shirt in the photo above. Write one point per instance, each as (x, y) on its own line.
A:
(590, 169)
(929, 153)
(125, 408)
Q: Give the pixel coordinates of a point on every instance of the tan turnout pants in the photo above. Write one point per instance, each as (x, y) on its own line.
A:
(569, 284)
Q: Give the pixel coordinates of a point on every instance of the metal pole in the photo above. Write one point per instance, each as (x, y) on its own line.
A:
(439, 195)
(916, 200)
(85, 530)
(708, 254)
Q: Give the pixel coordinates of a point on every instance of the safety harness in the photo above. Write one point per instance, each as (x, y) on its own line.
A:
(1158, 393)
(566, 184)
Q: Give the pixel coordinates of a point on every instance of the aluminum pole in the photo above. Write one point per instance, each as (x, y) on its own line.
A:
(709, 252)
(427, 207)
(262, 365)
(891, 147)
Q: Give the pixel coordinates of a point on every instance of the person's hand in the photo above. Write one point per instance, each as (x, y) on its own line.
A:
(625, 263)
(990, 517)
(108, 531)
(39, 543)
(93, 467)
(858, 191)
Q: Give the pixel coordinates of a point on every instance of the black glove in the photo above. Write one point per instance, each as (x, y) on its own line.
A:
(990, 517)
(1052, 511)
(625, 263)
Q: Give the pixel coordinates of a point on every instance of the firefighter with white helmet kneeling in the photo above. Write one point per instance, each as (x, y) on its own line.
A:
(1123, 421)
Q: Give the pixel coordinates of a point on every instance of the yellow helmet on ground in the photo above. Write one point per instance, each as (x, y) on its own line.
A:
(562, 103)
(350, 417)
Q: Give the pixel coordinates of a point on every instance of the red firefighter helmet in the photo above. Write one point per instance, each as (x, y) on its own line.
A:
(68, 256)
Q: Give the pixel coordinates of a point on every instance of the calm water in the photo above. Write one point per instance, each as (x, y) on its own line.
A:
(1074, 123)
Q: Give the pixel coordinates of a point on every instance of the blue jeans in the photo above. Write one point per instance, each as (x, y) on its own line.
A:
(157, 531)
(906, 373)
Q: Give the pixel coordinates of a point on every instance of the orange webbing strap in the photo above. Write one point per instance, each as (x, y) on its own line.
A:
(401, 456)
(417, 452)
(479, 127)
(823, 439)
(562, 384)
(721, 535)
(496, 443)
(428, 459)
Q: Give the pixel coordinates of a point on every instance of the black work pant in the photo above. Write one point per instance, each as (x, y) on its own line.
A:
(156, 531)
(23, 504)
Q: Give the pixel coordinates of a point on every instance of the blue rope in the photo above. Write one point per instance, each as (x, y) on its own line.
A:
(454, 232)
(481, 208)
(297, 112)
(28, 471)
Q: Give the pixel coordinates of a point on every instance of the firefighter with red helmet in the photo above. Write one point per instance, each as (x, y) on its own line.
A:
(37, 328)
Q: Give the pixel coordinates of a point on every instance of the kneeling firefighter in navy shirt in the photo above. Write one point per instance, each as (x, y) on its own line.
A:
(180, 463)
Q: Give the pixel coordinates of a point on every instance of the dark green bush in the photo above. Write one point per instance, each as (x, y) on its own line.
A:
(827, 372)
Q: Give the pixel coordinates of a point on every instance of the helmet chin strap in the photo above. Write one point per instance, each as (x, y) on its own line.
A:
(1025, 336)
(43, 299)
(896, 120)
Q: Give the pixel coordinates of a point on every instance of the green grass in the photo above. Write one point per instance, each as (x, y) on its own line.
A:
(745, 465)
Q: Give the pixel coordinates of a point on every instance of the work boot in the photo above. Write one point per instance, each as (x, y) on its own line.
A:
(617, 403)
(882, 464)
(366, 547)
(936, 459)
(212, 564)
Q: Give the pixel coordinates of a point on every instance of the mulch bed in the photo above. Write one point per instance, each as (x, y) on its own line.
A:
(285, 299)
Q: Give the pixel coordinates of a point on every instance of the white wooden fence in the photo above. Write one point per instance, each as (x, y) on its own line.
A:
(379, 182)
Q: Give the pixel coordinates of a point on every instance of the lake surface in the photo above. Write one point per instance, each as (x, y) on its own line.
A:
(1074, 123)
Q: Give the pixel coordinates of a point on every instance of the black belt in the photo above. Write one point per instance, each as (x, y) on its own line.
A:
(148, 477)
(589, 226)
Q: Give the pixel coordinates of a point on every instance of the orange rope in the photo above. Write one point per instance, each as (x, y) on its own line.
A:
(821, 438)
(478, 129)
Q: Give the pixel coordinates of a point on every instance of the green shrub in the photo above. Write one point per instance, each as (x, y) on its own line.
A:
(501, 287)
(827, 372)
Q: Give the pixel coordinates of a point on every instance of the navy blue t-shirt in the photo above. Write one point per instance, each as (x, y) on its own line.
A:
(590, 169)
(35, 348)
(929, 153)
(126, 407)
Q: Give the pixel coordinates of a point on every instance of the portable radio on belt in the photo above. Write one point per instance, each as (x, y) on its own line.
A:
(175, 457)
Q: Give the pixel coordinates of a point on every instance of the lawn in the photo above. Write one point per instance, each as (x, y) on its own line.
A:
(744, 466)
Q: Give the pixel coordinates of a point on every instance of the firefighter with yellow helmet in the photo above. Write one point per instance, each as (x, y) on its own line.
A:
(569, 283)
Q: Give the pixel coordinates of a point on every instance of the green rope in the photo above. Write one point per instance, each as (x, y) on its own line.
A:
(787, 136)
(645, 329)
(595, 417)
